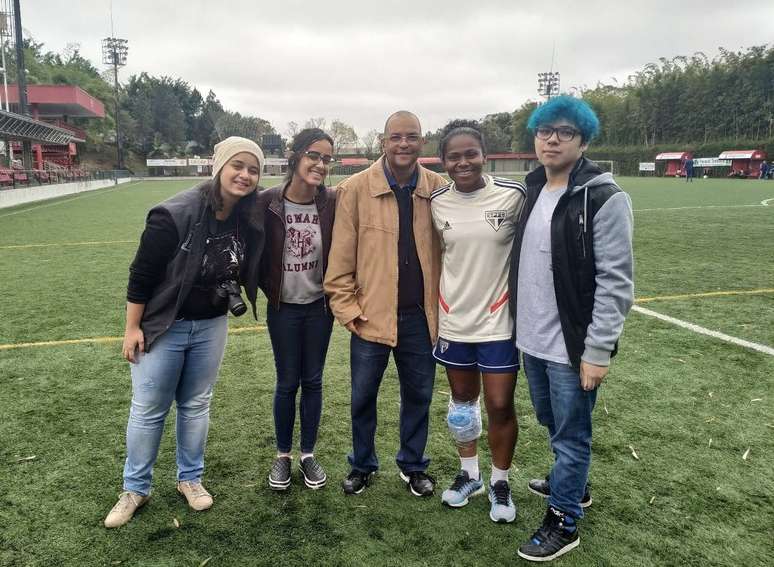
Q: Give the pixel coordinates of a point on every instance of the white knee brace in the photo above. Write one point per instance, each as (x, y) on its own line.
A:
(464, 420)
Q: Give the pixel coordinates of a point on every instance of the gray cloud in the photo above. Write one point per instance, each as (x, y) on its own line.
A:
(359, 61)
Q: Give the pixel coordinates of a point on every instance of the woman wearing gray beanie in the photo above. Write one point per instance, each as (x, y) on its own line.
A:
(196, 250)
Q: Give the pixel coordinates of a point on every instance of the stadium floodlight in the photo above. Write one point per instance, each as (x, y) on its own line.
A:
(548, 84)
(114, 52)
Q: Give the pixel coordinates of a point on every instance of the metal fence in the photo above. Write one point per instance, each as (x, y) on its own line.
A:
(13, 178)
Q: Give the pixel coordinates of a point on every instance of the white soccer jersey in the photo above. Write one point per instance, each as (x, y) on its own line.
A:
(477, 231)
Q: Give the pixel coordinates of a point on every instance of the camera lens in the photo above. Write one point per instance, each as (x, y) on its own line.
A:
(236, 305)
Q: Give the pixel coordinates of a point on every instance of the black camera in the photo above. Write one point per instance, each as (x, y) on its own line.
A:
(229, 290)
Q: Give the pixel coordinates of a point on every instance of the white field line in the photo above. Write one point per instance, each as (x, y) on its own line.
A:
(704, 331)
(766, 202)
(701, 207)
(84, 195)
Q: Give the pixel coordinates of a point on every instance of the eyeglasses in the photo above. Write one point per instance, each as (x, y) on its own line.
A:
(317, 156)
(410, 138)
(563, 133)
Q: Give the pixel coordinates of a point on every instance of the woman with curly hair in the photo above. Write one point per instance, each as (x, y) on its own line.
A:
(476, 216)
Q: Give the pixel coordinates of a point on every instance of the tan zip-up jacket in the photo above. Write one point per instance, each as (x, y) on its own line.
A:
(362, 276)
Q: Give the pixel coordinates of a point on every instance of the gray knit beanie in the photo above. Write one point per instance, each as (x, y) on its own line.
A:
(232, 146)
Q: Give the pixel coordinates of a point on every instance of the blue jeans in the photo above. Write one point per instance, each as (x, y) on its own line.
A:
(416, 373)
(565, 409)
(182, 365)
(299, 337)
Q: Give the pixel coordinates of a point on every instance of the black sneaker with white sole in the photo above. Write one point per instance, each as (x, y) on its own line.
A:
(314, 474)
(543, 488)
(279, 476)
(557, 536)
(356, 482)
(419, 482)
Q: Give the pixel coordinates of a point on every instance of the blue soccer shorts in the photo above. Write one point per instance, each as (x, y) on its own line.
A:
(494, 357)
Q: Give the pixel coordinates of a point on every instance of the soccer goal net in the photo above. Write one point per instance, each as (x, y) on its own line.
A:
(607, 165)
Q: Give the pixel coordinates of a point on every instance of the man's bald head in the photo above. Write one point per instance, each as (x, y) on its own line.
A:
(404, 114)
(402, 142)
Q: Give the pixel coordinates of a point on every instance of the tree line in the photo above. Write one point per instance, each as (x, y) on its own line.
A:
(686, 102)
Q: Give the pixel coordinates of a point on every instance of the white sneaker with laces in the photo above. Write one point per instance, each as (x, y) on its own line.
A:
(128, 503)
(197, 496)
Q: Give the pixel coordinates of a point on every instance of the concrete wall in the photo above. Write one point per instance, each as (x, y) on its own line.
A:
(21, 195)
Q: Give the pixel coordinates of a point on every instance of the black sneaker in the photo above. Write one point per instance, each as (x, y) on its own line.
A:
(314, 474)
(279, 476)
(356, 482)
(542, 488)
(552, 539)
(419, 482)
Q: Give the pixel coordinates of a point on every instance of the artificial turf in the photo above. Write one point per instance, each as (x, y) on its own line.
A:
(683, 501)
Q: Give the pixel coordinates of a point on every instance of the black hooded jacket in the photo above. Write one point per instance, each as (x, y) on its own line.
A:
(582, 260)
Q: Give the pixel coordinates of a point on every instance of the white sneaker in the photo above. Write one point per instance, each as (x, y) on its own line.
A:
(197, 496)
(122, 512)
(503, 509)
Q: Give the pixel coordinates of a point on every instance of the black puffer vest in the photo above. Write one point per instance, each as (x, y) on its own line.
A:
(191, 215)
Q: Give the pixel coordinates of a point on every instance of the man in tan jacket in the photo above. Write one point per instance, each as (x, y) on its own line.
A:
(382, 281)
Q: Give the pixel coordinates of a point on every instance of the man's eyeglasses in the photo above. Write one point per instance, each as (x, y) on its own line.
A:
(317, 156)
(410, 138)
(563, 133)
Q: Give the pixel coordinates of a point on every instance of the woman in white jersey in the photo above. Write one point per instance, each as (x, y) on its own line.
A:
(298, 223)
(476, 216)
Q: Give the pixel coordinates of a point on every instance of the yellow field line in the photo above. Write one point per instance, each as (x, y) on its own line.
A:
(238, 330)
(105, 340)
(706, 294)
(97, 243)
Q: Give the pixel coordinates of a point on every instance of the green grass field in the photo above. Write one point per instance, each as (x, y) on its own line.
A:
(689, 405)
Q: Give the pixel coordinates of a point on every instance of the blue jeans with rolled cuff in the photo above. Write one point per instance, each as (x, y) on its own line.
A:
(565, 409)
(182, 366)
(299, 334)
(416, 373)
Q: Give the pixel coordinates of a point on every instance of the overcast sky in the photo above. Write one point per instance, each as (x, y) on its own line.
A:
(358, 61)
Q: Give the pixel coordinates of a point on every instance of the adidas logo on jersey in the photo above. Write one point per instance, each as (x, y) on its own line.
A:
(495, 218)
(447, 226)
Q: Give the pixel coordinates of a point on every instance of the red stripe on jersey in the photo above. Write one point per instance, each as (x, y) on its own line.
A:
(499, 303)
(444, 306)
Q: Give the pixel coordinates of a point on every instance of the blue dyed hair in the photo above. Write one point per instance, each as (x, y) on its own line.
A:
(566, 107)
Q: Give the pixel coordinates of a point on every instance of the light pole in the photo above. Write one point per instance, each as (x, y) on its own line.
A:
(21, 80)
(548, 84)
(5, 32)
(114, 51)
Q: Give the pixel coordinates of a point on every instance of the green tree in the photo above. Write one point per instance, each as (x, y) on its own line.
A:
(497, 130)
(343, 135)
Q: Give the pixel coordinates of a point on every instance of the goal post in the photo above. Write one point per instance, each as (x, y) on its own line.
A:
(607, 165)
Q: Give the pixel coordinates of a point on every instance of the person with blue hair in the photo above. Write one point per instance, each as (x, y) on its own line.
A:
(571, 282)
(565, 107)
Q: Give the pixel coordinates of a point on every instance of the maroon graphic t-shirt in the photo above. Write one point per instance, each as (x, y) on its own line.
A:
(302, 262)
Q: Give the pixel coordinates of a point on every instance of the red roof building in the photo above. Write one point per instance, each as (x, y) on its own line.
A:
(674, 162)
(57, 105)
(744, 163)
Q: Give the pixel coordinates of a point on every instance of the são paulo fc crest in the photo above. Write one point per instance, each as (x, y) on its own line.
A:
(444, 346)
(495, 218)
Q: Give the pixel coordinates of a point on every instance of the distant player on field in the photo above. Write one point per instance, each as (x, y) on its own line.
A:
(689, 172)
